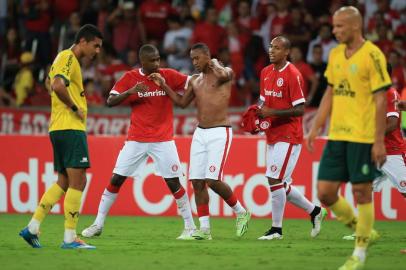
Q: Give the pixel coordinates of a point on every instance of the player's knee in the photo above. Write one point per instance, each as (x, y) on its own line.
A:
(327, 198)
(198, 185)
(117, 180)
(173, 184)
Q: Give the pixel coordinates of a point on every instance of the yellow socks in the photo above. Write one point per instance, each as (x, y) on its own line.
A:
(50, 197)
(344, 213)
(365, 224)
(72, 201)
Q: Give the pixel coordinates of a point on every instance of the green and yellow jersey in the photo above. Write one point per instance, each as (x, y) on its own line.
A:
(354, 80)
(67, 67)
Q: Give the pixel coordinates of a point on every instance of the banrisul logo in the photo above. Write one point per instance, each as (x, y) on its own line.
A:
(344, 89)
(156, 93)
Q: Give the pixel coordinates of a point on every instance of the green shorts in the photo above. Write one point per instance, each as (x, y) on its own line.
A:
(347, 161)
(70, 149)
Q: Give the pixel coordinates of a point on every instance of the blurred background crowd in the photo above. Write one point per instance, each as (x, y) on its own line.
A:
(238, 33)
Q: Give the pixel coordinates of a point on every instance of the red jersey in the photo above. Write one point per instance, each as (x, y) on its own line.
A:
(395, 145)
(283, 89)
(152, 111)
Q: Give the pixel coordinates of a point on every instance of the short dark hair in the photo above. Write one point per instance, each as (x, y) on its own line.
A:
(147, 49)
(285, 41)
(201, 46)
(89, 32)
(317, 46)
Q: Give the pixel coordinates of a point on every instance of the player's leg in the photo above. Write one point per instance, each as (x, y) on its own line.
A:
(395, 170)
(202, 206)
(131, 158)
(218, 146)
(165, 155)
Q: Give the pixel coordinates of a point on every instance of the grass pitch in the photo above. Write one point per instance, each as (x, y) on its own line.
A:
(149, 243)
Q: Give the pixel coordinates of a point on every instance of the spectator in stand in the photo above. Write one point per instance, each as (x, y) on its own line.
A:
(93, 96)
(132, 59)
(265, 29)
(127, 31)
(399, 45)
(37, 22)
(176, 45)
(401, 29)
(236, 46)
(319, 66)
(10, 51)
(310, 81)
(384, 42)
(325, 40)
(24, 82)
(154, 15)
(72, 27)
(89, 69)
(398, 70)
(296, 30)
(246, 23)
(210, 32)
(63, 9)
(390, 14)
(281, 19)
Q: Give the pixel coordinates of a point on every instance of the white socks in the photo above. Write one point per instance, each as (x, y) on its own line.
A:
(299, 199)
(239, 209)
(33, 226)
(278, 204)
(361, 253)
(185, 211)
(105, 204)
(69, 236)
(204, 223)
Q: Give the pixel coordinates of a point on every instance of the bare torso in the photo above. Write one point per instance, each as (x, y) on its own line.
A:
(211, 100)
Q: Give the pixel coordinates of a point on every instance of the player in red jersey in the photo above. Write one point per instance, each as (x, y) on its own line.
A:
(211, 89)
(282, 100)
(150, 135)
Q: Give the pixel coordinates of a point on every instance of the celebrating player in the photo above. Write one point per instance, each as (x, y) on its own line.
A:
(212, 138)
(150, 135)
(282, 101)
(67, 131)
(357, 78)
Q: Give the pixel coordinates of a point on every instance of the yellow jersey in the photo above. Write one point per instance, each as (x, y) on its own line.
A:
(67, 67)
(354, 81)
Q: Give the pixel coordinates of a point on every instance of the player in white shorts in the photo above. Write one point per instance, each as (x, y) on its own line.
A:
(282, 102)
(212, 138)
(150, 135)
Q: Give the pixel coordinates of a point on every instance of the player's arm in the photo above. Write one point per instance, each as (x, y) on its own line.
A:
(224, 74)
(378, 148)
(115, 98)
(59, 87)
(180, 100)
(391, 124)
(321, 117)
(265, 111)
(401, 105)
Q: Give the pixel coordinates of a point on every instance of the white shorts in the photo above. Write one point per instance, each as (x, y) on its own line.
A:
(393, 169)
(281, 160)
(208, 153)
(133, 157)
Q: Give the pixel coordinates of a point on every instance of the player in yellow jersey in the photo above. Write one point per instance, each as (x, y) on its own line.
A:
(67, 131)
(356, 99)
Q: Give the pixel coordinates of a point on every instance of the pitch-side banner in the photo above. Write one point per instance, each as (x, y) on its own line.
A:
(26, 170)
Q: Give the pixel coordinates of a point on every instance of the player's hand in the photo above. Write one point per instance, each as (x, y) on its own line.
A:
(139, 87)
(378, 153)
(80, 114)
(401, 105)
(157, 78)
(264, 112)
(309, 140)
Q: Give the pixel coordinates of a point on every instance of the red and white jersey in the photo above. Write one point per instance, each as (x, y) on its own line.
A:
(282, 89)
(152, 111)
(395, 145)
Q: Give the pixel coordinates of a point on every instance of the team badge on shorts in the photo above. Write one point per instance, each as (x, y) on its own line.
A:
(175, 168)
(273, 168)
(402, 183)
(212, 168)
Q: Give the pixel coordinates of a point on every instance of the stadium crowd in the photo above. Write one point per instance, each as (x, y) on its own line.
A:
(237, 32)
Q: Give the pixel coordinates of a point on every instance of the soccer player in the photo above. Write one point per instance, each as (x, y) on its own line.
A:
(212, 138)
(150, 135)
(356, 97)
(67, 131)
(282, 101)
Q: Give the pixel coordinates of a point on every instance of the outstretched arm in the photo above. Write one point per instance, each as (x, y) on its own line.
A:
(180, 100)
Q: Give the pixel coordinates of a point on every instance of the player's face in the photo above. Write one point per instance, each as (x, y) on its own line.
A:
(91, 48)
(150, 62)
(342, 28)
(199, 59)
(277, 51)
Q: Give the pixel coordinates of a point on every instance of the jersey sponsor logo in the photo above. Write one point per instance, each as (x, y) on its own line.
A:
(344, 89)
(377, 64)
(156, 93)
(212, 168)
(66, 68)
(273, 93)
(175, 168)
(279, 82)
(341, 129)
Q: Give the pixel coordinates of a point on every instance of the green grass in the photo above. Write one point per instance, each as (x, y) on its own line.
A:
(149, 243)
